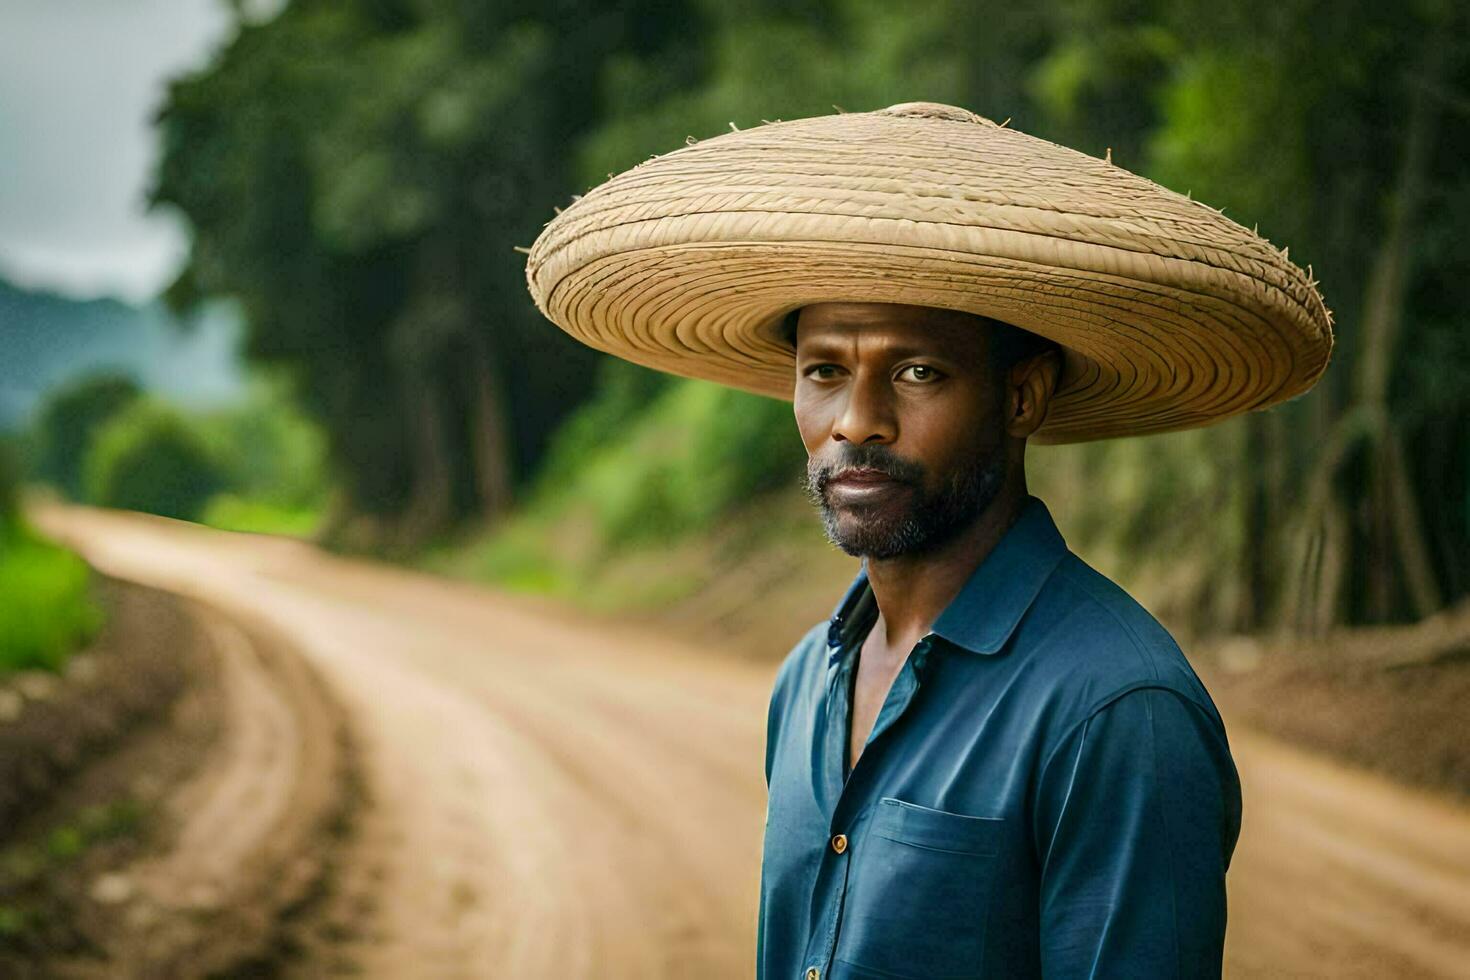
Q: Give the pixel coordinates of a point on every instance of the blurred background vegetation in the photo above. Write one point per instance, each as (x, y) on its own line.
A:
(46, 608)
(357, 173)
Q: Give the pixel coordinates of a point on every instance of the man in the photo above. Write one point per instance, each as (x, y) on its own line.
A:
(991, 761)
(1034, 780)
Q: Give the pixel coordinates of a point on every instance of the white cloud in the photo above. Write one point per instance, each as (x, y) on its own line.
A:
(79, 83)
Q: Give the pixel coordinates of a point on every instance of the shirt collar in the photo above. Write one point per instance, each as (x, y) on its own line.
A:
(985, 612)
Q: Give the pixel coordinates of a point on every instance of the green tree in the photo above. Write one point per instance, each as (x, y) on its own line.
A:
(1338, 134)
(69, 419)
(357, 174)
(149, 458)
(1343, 138)
(269, 451)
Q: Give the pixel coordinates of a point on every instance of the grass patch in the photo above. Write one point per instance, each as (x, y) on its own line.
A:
(48, 610)
(233, 512)
(635, 489)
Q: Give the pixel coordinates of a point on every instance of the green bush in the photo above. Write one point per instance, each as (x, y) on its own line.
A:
(274, 457)
(69, 420)
(149, 458)
(621, 393)
(648, 462)
(233, 512)
(47, 609)
(675, 466)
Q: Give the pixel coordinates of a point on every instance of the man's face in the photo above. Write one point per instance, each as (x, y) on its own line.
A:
(902, 417)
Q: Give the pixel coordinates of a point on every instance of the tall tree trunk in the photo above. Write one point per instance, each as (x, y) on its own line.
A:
(492, 449)
(431, 501)
(1383, 322)
(1392, 508)
(1257, 488)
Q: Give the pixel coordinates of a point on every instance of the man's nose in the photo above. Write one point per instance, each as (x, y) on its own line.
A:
(867, 413)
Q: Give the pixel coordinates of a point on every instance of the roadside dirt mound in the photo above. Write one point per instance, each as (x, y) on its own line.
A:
(1391, 699)
(133, 717)
(51, 725)
(199, 826)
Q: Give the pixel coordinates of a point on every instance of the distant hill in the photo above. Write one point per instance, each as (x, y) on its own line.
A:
(46, 339)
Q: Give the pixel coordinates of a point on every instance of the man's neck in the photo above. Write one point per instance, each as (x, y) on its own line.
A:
(911, 591)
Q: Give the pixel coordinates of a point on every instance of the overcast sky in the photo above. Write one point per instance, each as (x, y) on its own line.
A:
(79, 81)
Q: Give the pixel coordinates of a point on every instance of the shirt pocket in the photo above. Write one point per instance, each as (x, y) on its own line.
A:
(919, 893)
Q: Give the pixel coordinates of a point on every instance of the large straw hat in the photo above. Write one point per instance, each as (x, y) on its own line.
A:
(1171, 315)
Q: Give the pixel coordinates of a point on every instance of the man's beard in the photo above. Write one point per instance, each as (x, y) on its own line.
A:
(929, 520)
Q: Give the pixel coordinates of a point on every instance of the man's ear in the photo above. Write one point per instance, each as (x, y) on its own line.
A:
(1030, 384)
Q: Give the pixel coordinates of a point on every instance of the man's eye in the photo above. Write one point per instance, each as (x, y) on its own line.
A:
(823, 371)
(919, 372)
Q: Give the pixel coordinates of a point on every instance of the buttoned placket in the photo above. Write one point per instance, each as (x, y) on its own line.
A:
(841, 795)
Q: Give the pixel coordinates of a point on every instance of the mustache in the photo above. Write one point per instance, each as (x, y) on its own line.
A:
(821, 470)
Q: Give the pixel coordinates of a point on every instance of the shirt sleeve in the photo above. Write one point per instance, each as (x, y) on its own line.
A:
(1137, 815)
(776, 707)
(773, 720)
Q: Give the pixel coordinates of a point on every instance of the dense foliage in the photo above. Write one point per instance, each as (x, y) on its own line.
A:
(656, 464)
(150, 458)
(46, 607)
(357, 174)
(68, 421)
(268, 451)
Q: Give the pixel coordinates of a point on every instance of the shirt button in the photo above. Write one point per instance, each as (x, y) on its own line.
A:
(813, 973)
(839, 843)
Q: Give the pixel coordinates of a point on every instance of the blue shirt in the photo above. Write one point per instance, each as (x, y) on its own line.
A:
(1047, 790)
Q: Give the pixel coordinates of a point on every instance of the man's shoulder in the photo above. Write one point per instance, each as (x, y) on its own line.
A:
(1096, 643)
(813, 641)
(808, 652)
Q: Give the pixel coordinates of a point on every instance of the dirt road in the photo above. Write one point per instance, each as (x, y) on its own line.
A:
(554, 797)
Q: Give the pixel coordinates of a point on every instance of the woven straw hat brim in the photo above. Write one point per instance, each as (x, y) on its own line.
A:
(1170, 314)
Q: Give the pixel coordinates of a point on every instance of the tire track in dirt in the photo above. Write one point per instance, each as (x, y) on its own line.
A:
(620, 829)
(245, 835)
(254, 825)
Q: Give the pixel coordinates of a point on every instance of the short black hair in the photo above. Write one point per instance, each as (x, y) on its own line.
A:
(787, 330)
(1009, 344)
